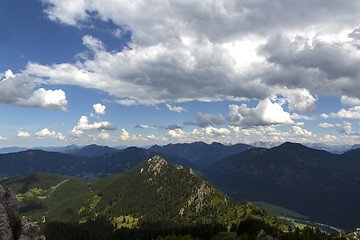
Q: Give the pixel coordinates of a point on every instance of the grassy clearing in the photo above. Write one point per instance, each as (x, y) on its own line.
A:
(124, 221)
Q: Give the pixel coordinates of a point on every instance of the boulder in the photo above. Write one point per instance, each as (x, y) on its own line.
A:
(30, 231)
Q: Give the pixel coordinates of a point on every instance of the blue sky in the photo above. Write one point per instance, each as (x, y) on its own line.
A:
(140, 73)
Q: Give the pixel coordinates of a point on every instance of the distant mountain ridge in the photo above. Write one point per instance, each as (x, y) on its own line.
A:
(89, 168)
(200, 153)
(92, 150)
(313, 182)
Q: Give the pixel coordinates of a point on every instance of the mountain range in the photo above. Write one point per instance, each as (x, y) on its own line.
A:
(315, 183)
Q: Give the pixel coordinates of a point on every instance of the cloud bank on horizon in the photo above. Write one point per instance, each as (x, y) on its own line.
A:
(268, 62)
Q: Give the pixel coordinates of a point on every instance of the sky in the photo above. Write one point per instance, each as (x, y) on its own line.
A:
(138, 73)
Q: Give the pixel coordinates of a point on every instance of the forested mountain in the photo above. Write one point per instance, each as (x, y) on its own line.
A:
(313, 182)
(200, 153)
(152, 192)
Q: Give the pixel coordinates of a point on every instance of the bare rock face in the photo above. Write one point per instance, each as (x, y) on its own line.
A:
(5, 230)
(9, 202)
(30, 231)
(9, 209)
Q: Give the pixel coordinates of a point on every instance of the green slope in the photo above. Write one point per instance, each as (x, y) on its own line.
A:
(153, 191)
(40, 194)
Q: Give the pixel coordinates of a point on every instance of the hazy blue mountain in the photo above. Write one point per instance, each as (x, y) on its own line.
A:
(336, 149)
(12, 149)
(355, 146)
(312, 182)
(92, 150)
(57, 149)
(200, 153)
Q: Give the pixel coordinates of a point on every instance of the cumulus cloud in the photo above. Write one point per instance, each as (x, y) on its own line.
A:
(350, 101)
(99, 108)
(265, 113)
(298, 131)
(207, 134)
(300, 99)
(326, 125)
(124, 135)
(19, 89)
(84, 125)
(205, 55)
(104, 136)
(345, 128)
(175, 108)
(45, 133)
(353, 113)
(22, 133)
(3, 138)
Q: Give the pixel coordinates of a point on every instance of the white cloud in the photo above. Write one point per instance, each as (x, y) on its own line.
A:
(300, 99)
(207, 134)
(216, 131)
(83, 125)
(124, 135)
(22, 133)
(326, 125)
(104, 136)
(93, 44)
(3, 138)
(19, 89)
(45, 133)
(298, 131)
(47, 99)
(265, 113)
(353, 113)
(345, 128)
(197, 50)
(175, 108)
(177, 133)
(299, 116)
(99, 108)
(350, 101)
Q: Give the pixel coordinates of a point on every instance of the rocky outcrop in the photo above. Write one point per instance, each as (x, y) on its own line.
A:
(5, 230)
(155, 164)
(30, 231)
(9, 202)
(9, 210)
(262, 235)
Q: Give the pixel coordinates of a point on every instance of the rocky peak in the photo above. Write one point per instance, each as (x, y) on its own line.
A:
(155, 163)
